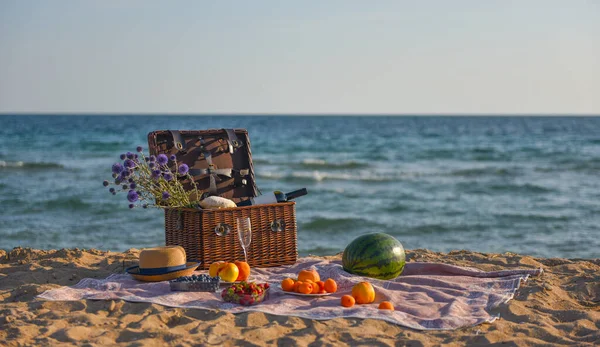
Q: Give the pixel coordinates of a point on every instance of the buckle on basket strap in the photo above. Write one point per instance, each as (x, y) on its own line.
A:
(211, 169)
(222, 229)
(278, 225)
(232, 140)
(178, 141)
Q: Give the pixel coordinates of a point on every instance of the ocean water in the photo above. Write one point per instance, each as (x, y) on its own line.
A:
(528, 185)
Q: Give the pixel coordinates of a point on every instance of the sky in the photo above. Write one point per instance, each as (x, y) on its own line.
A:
(301, 57)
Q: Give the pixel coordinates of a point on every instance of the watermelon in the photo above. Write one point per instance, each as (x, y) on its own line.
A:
(376, 255)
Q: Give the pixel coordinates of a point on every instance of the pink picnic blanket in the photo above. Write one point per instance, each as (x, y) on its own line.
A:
(427, 296)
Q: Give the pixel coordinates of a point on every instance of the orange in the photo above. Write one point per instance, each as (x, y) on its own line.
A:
(315, 289)
(386, 305)
(347, 301)
(322, 291)
(330, 286)
(305, 288)
(321, 285)
(287, 285)
(363, 292)
(244, 270)
(312, 275)
(297, 286)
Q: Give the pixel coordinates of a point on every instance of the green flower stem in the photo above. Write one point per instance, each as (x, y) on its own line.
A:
(151, 189)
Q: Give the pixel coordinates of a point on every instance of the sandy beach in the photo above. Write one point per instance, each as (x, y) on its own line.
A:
(560, 307)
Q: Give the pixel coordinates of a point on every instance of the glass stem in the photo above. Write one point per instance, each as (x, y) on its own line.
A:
(245, 254)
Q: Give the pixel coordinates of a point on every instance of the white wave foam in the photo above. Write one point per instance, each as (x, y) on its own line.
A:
(11, 164)
(320, 176)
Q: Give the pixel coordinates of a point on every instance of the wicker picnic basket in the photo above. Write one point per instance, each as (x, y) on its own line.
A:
(220, 162)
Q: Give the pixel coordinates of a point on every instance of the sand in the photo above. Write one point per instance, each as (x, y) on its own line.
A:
(561, 307)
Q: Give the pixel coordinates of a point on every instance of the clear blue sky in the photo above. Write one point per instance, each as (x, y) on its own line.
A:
(300, 57)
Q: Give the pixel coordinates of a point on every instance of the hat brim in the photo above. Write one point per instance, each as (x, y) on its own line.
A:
(135, 273)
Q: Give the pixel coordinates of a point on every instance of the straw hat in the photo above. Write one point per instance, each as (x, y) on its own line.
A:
(162, 264)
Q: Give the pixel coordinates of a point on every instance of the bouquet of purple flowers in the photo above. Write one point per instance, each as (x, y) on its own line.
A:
(152, 181)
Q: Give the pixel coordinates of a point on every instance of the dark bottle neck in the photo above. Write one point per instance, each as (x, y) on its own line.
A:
(296, 193)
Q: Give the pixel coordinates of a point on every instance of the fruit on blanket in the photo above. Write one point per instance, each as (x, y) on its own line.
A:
(297, 286)
(305, 288)
(288, 285)
(244, 293)
(348, 301)
(315, 289)
(376, 255)
(229, 273)
(330, 286)
(312, 275)
(244, 269)
(386, 305)
(363, 292)
(215, 267)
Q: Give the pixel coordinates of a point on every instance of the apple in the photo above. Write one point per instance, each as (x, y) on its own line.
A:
(229, 273)
(216, 267)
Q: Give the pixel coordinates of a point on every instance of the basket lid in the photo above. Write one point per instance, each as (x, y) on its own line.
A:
(220, 160)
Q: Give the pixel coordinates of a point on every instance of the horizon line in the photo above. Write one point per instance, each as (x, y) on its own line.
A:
(311, 114)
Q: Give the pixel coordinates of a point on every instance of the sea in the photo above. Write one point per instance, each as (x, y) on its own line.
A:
(528, 185)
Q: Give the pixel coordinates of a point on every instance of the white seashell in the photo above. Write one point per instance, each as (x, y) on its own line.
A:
(216, 202)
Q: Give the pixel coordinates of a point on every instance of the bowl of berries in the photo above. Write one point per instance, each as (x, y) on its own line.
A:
(245, 293)
(196, 283)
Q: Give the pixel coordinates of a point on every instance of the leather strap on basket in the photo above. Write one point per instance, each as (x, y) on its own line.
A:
(232, 140)
(212, 170)
(178, 141)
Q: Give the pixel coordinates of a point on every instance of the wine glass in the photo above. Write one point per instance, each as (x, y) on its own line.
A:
(244, 229)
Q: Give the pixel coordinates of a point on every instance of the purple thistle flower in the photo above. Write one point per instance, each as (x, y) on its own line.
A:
(125, 187)
(117, 168)
(139, 149)
(152, 158)
(123, 175)
(129, 163)
(131, 205)
(118, 180)
(105, 183)
(162, 159)
(132, 185)
(122, 156)
(172, 157)
(147, 159)
(130, 180)
(132, 196)
(168, 177)
(155, 174)
(166, 195)
(129, 155)
(151, 164)
(112, 190)
(115, 175)
(183, 169)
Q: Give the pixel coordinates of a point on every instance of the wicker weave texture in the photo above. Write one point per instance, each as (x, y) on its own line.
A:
(274, 234)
